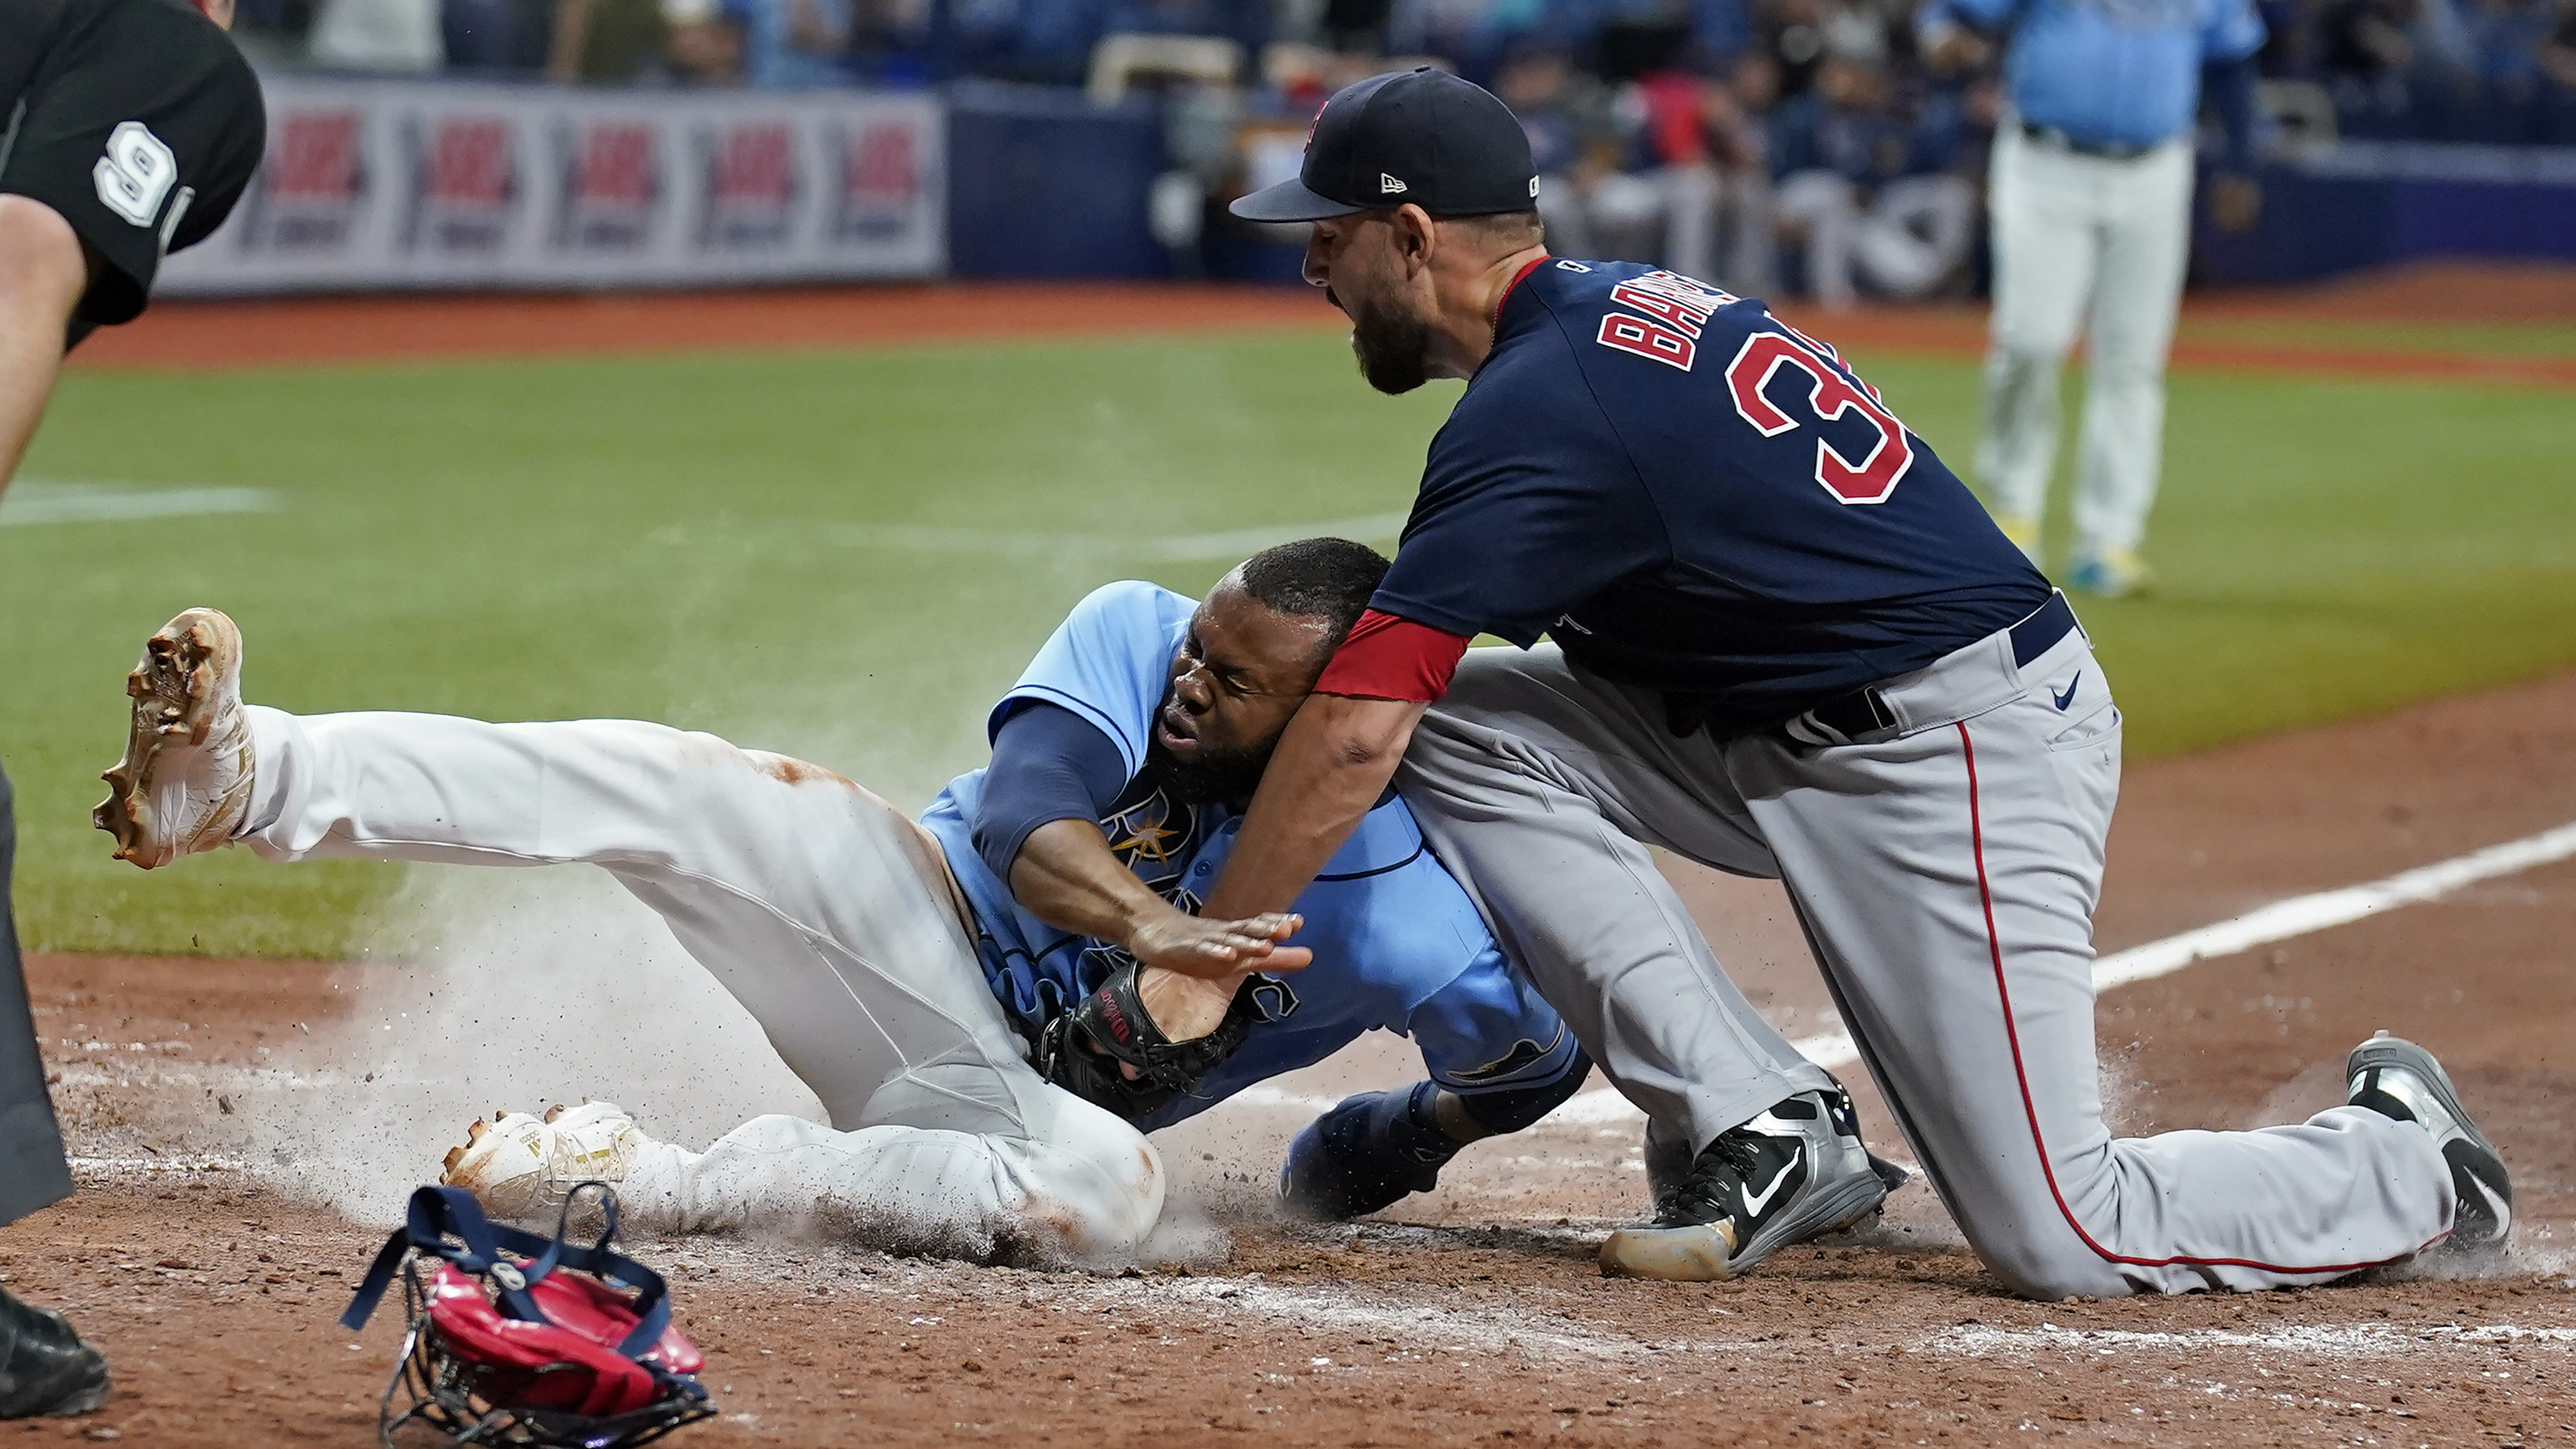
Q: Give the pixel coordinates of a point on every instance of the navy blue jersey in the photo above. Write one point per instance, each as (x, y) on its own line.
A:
(1397, 943)
(1688, 494)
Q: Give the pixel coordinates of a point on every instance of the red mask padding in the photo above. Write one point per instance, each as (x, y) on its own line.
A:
(1387, 657)
(584, 1372)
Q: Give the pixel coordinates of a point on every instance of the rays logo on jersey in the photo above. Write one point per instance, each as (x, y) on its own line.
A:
(1153, 835)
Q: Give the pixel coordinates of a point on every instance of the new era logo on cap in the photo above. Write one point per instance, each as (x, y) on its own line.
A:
(1422, 135)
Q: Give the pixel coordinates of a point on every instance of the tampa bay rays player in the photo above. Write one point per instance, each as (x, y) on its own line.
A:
(942, 987)
(2091, 199)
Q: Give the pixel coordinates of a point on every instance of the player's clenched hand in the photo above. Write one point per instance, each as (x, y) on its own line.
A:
(1194, 946)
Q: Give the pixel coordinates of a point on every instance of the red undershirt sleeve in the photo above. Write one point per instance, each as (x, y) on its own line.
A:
(1386, 657)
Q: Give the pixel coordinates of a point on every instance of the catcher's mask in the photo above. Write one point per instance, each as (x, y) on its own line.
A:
(522, 1340)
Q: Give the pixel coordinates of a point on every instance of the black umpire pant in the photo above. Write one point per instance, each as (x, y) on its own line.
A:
(33, 1171)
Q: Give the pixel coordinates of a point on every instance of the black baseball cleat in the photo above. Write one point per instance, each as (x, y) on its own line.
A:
(2396, 1078)
(1794, 1173)
(45, 1368)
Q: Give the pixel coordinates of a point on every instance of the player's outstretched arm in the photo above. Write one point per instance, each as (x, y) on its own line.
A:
(1067, 876)
(1330, 767)
(43, 272)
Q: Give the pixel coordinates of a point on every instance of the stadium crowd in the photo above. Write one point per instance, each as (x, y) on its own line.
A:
(1810, 143)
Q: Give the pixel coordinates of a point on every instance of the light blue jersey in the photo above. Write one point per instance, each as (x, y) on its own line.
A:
(2109, 72)
(1397, 943)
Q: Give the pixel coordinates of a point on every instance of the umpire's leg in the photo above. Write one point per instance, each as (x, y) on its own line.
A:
(33, 1172)
(44, 1366)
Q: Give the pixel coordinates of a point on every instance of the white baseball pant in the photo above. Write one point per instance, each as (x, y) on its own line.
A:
(2101, 244)
(1945, 872)
(826, 913)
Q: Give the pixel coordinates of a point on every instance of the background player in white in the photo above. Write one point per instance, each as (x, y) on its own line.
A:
(2090, 194)
(974, 1042)
(127, 130)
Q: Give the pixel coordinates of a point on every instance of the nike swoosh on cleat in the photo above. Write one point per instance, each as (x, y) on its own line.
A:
(2063, 700)
(1754, 1203)
(2502, 1210)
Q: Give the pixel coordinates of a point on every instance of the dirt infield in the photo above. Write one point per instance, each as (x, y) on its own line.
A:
(1474, 1316)
(377, 329)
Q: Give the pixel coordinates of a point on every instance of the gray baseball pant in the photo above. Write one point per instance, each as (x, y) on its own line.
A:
(33, 1172)
(1945, 871)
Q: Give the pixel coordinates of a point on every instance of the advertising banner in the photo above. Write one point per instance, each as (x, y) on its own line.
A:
(399, 184)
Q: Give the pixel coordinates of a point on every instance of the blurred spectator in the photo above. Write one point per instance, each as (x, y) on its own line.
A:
(1854, 187)
(1036, 41)
(889, 41)
(1590, 206)
(793, 42)
(607, 42)
(497, 35)
(705, 46)
(1246, 22)
(2557, 59)
(2557, 54)
(2368, 54)
(1357, 27)
(378, 35)
(1793, 35)
(1735, 119)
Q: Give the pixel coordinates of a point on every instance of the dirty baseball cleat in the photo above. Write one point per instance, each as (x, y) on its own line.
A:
(2112, 574)
(185, 781)
(1794, 1173)
(46, 1369)
(2396, 1078)
(524, 1166)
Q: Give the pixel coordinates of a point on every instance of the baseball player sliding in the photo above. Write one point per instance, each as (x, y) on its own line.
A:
(1784, 641)
(958, 992)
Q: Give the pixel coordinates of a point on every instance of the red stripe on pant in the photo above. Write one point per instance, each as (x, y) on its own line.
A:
(2030, 1109)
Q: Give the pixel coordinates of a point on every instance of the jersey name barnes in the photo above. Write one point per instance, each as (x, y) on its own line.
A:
(1692, 496)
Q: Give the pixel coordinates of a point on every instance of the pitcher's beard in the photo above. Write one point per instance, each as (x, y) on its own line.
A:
(1394, 348)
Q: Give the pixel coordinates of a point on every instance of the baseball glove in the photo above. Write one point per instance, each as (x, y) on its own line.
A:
(1082, 1048)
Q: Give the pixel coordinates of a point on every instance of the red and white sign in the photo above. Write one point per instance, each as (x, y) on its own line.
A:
(402, 184)
(311, 191)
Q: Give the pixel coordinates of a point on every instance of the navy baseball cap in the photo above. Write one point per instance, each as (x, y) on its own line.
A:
(1421, 135)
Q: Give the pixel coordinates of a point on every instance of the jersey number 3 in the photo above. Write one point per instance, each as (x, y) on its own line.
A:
(1869, 479)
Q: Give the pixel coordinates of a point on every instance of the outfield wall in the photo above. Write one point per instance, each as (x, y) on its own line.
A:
(400, 185)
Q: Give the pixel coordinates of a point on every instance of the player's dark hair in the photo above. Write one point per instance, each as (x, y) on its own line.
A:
(1502, 231)
(1315, 578)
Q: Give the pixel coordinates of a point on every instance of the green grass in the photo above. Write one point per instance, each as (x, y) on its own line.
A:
(689, 539)
(2507, 339)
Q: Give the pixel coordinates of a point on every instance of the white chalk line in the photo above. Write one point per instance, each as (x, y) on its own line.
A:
(1428, 1328)
(2338, 1340)
(37, 500)
(2279, 921)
